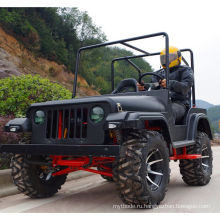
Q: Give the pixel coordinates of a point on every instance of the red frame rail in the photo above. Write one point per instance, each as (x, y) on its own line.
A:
(184, 155)
(82, 163)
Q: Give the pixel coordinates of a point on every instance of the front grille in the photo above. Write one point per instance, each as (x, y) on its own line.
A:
(67, 123)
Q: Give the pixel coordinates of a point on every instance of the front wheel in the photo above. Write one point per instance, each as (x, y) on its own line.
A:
(34, 180)
(143, 172)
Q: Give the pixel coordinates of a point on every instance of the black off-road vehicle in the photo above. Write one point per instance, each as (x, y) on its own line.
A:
(128, 136)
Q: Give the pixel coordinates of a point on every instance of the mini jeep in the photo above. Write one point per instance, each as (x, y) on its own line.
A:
(128, 137)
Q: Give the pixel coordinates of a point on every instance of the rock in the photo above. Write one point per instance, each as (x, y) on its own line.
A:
(3, 54)
(7, 66)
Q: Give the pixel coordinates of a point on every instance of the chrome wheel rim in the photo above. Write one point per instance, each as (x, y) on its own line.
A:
(205, 157)
(154, 169)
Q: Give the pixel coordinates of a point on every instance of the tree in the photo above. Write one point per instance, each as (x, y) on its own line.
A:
(81, 22)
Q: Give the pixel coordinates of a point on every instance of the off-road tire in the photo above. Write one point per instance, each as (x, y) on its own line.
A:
(26, 177)
(132, 175)
(195, 172)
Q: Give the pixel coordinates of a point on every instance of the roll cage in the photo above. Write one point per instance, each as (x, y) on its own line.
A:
(129, 58)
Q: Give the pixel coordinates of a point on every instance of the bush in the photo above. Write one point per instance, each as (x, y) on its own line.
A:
(17, 93)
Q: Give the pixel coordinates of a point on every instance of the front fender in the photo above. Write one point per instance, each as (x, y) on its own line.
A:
(18, 125)
(132, 119)
(136, 120)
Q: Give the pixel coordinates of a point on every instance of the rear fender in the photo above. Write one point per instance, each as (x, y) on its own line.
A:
(198, 122)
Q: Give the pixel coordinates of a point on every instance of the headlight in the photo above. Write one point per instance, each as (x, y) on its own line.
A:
(97, 114)
(39, 117)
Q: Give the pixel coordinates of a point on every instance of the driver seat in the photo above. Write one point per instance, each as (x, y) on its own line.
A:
(130, 82)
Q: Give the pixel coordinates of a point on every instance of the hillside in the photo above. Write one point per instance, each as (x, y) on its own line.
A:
(16, 60)
(213, 113)
(203, 104)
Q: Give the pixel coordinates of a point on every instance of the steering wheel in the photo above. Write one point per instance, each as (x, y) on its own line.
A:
(159, 77)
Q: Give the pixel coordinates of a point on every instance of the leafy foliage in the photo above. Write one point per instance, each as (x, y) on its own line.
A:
(17, 93)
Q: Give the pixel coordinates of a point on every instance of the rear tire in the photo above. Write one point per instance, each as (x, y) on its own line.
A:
(143, 170)
(198, 172)
(31, 179)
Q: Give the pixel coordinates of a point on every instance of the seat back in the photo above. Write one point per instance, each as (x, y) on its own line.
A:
(130, 82)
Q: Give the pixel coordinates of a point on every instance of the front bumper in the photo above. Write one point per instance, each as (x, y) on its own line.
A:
(58, 149)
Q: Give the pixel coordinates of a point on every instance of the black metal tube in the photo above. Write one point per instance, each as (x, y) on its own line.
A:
(193, 87)
(124, 40)
(134, 65)
(113, 75)
(135, 48)
(184, 60)
(136, 56)
(76, 73)
(167, 61)
(192, 67)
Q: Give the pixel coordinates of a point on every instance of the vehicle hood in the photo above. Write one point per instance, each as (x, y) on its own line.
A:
(140, 103)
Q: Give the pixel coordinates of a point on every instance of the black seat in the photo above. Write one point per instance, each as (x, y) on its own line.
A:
(126, 85)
